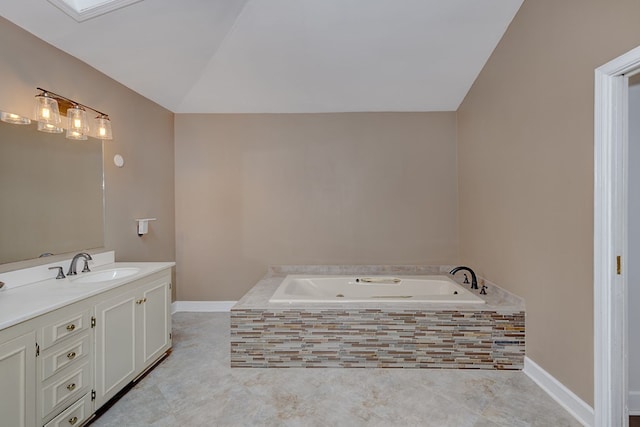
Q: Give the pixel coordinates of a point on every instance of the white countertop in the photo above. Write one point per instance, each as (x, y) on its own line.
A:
(28, 301)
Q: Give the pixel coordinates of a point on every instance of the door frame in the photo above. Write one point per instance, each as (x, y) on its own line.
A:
(610, 239)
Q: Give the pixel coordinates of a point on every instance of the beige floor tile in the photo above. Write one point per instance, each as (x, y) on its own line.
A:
(196, 387)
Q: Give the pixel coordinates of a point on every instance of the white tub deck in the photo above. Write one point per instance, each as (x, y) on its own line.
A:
(309, 288)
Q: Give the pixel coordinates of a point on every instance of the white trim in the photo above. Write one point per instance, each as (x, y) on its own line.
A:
(634, 403)
(202, 306)
(81, 10)
(577, 407)
(610, 239)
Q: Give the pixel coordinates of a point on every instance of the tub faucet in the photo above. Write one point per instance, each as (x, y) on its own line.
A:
(74, 261)
(474, 280)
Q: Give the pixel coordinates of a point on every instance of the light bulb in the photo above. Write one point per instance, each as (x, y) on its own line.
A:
(45, 113)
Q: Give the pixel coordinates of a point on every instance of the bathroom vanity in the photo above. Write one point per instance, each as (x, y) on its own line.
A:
(68, 346)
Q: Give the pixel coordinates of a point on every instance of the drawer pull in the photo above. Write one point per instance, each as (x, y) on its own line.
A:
(71, 355)
(71, 387)
(73, 420)
(71, 327)
(140, 301)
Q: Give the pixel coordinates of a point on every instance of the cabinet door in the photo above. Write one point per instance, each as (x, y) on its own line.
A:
(155, 322)
(115, 345)
(18, 379)
(132, 332)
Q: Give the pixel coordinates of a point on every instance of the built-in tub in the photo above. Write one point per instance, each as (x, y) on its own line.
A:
(305, 288)
(315, 328)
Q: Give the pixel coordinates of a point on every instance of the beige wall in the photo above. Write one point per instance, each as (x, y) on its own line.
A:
(143, 134)
(526, 171)
(255, 190)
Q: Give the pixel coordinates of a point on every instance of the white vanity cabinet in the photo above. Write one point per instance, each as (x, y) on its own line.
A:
(133, 329)
(59, 367)
(17, 379)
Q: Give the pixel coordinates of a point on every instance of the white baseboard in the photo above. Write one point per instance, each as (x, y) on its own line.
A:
(634, 402)
(202, 306)
(558, 392)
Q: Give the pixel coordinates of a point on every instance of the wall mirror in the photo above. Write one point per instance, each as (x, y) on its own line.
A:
(51, 193)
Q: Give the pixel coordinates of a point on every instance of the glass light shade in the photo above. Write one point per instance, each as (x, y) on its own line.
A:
(77, 126)
(72, 134)
(14, 119)
(45, 127)
(103, 128)
(47, 110)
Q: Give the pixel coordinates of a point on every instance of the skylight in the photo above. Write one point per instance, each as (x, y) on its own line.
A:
(81, 10)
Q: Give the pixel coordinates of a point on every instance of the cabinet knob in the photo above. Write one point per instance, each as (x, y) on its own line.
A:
(71, 355)
(71, 327)
(71, 387)
(73, 420)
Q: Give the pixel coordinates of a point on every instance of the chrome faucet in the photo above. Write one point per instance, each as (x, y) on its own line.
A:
(474, 280)
(74, 261)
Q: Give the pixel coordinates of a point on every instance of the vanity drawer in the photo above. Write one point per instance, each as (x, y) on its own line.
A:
(75, 415)
(59, 357)
(64, 327)
(65, 387)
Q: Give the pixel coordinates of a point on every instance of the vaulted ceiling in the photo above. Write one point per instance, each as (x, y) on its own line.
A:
(283, 56)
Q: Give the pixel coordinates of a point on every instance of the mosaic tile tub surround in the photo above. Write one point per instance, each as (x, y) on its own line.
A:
(375, 335)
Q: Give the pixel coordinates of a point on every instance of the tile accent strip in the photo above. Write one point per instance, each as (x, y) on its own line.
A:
(377, 338)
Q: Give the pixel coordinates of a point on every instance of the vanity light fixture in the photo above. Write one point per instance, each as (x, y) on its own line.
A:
(46, 127)
(14, 119)
(103, 126)
(47, 111)
(48, 105)
(77, 127)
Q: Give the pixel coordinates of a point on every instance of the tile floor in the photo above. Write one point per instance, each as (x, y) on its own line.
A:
(196, 387)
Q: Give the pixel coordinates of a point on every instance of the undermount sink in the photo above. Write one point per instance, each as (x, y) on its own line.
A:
(105, 275)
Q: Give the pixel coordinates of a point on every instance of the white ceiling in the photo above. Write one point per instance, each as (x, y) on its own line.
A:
(283, 56)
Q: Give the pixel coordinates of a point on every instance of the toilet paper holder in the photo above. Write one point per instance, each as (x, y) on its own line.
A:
(143, 225)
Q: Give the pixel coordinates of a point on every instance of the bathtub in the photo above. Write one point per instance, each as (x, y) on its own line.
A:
(306, 288)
